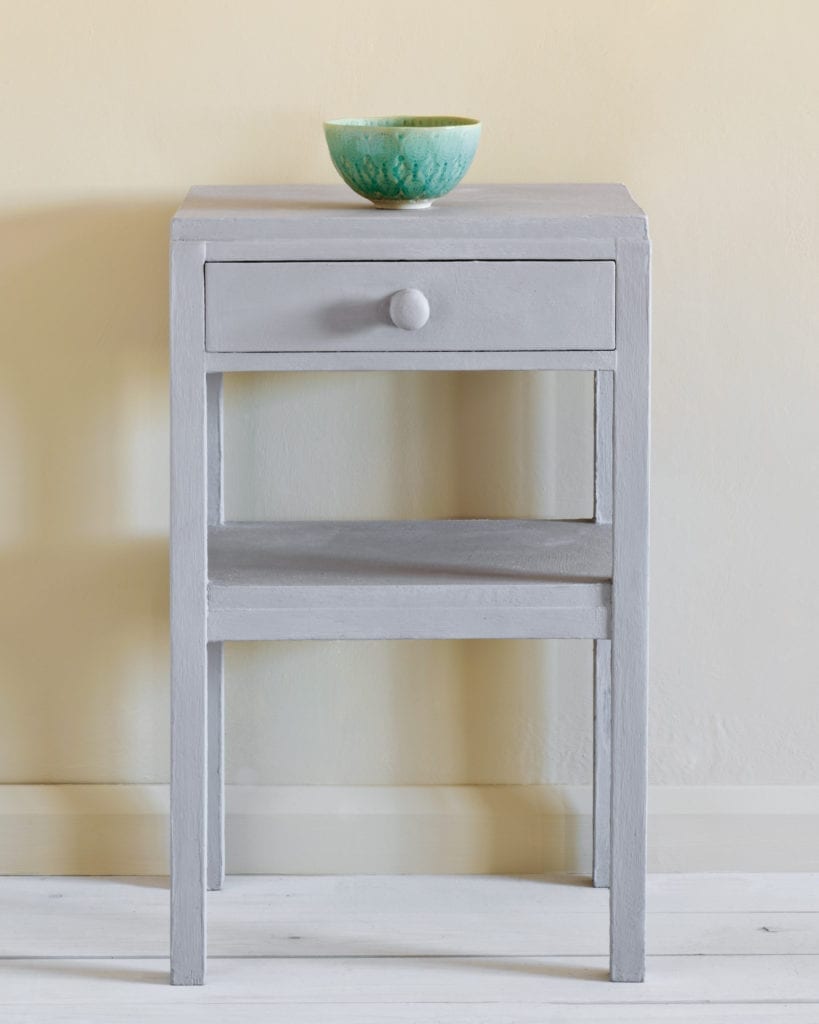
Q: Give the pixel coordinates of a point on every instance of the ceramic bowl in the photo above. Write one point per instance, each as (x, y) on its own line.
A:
(401, 163)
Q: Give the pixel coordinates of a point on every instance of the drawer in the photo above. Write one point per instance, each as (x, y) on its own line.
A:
(387, 306)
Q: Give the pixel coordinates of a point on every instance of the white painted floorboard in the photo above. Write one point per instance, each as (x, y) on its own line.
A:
(413, 949)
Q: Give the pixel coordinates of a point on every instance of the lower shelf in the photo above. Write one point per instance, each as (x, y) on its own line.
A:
(431, 579)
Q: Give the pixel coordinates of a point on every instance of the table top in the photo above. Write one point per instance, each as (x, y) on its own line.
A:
(548, 211)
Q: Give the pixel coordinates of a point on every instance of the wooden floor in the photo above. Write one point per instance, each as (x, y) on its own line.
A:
(414, 949)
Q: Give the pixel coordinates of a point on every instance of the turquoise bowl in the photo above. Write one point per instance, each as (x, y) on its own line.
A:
(402, 163)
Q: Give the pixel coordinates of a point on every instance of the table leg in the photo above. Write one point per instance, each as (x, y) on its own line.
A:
(216, 767)
(188, 564)
(601, 819)
(629, 644)
(601, 813)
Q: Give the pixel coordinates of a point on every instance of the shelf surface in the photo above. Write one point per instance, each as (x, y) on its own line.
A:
(436, 578)
(254, 213)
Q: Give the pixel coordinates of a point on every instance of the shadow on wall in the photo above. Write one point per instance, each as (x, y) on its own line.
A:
(83, 540)
(83, 506)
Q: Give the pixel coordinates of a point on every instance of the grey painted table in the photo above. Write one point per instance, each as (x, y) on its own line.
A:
(526, 277)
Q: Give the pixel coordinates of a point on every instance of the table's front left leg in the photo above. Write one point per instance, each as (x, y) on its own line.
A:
(188, 565)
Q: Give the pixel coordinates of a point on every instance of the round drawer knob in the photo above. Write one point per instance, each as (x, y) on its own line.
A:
(409, 309)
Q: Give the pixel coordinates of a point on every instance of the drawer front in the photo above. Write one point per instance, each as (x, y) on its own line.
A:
(423, 306)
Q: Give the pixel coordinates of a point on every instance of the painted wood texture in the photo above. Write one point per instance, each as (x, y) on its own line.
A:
(564, 212)
(601, 780)
(603, 438)
(256, 362)
(418, 981)
(344, 306)
(216, 664)
(188, 562)
(414, 578)
(393, 245)
(215, 435)
(463, 553)
(33, 898)
(629, 635)
(418, 590)
(723, 948)
(434, 916)
(216, 767)
(264, 1012)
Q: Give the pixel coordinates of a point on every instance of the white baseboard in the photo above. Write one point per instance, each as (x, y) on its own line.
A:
(111, 829)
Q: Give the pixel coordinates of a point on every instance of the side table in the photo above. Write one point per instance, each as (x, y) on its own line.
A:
(524, 277)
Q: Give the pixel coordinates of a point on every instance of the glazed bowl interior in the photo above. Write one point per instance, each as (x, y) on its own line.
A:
(403, 121)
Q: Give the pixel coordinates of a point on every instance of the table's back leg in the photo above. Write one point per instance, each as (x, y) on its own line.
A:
(601, 810)
(601, 803)
(630, 614)
(216, 767)
(188, 563)
(216, 688)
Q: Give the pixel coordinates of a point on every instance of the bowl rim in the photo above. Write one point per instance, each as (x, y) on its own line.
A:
(367, 122)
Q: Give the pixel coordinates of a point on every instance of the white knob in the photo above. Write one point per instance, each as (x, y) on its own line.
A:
(409, 309)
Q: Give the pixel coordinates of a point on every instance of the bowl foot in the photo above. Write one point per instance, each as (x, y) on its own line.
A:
(402, 204)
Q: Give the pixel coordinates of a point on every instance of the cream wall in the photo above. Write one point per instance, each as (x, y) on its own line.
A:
(108, 112)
